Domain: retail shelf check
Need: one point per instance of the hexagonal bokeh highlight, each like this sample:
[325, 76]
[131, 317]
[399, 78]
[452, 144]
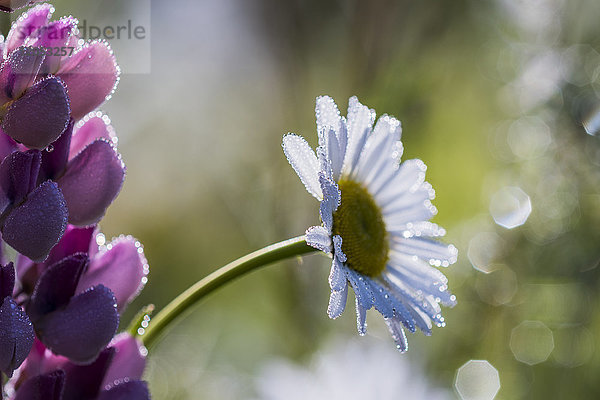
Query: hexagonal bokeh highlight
[498, 287]
[484, 249]
[510, 207]
[531, 342]
[477, 380]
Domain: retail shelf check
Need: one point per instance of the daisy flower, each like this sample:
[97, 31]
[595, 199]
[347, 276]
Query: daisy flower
[375, 215]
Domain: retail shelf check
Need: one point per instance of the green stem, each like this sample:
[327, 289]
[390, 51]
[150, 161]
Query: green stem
[182, 303]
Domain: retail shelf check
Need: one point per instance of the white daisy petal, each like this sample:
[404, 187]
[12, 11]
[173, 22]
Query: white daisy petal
[328, 115]
[404, 313]
[408, 178]
[408, 200]
[421, 321]
[337, 247]
[337, 276]
[342, 137]
[361, 290]
[388, 125]
[395, 328]
[335, 153]
[361, 319]
[337, 302]
[414, 299]
[324, 163]
[360, 123]
[412, 267]
[381, 298]
[418, 212]
[371, 160]
[436, 253]
[420, 228]
[435, 286]
[304, 161]
[330, 202]
[319, 238]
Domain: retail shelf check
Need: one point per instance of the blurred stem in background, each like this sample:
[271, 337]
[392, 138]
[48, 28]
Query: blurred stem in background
[184, 302]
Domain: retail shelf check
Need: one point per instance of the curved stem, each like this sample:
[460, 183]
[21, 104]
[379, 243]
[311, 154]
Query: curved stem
[182, 303]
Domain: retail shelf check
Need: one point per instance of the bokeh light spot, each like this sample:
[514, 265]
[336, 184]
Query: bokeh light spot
[531, 342]
[574, 346]
[510, 207]
[477, 380]
[498, 287]
[484, 249]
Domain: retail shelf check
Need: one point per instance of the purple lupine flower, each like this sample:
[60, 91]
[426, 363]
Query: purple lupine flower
[33, 214]
[90, 178]
[16, 332]
[114, 375]
[41, 91]
[119, 265]
[72, 322]
[77, 293]
[85, 164]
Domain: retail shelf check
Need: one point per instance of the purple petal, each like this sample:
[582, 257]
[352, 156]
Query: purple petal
[123, 269]
[93, 126]
[129, 361]
[26, 24]
[74, 240]
[91, 182]
[55, 157]
[18, 72]
[40, 361]
[83, 328]
[91, 75]
[40, 116]
[54, 34]
[36, 226]
[18, 176]
[126, 390]
[42, 387]
[7, 145]
[16, 336]
[84, 381]
[7, 280]
[56, 286]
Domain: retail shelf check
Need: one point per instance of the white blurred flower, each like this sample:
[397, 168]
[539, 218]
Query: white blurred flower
[348, 370]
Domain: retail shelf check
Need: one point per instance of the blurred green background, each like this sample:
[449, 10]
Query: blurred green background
[491, 94]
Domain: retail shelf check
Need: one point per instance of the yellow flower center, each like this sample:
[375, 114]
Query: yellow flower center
[359, 222]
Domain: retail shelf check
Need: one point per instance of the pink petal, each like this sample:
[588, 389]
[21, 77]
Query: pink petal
[129, 361]
[18, 72]
[93, 126]
[122, 267]
[91, 75]
[56, 34]
[27, 23]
